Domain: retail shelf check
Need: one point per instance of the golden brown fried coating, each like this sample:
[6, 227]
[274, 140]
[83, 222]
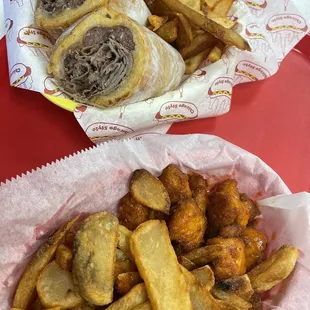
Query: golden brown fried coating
[230, 231]
[274, 269]
[251, 206]
[255, 244]
[132, 213]
[240, 286]
[176, 183]
[185, 262]
[157, 215]
[256, 302]
[232, 262]
[187, 225]
[226, 208]
[199, 188]
[126, 281]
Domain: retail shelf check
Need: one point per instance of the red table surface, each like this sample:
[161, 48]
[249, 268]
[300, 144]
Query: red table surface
[270, 119]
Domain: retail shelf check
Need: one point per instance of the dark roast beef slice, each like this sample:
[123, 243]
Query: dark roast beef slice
[57, 6]
[101, 64]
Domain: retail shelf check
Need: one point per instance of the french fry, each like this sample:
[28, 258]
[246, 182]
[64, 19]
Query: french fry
[124, 235]
[193, 4]
[192, 64]
[169, 31]
[200, 296]
[136, 296]
[228, 36]
[205, 276]
[273, 270]
[185, 262]
[149, 191]
[27, 283]
[126, 281]
[223, 21]
[230, 301]
[200, 43]
[222, 7]
[120, 256]
[185, 33]
[157, 21]
[216, 52]
[56, 289]
[240, 286]
[123, 267]
[204, 255]
[146, 306]
[94, 250]
[64, 257]
[209, 3]
[157, 7]
[159, 267]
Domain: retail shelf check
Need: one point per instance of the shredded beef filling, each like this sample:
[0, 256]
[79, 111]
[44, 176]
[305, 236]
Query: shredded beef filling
[100, 66]
[57, 6]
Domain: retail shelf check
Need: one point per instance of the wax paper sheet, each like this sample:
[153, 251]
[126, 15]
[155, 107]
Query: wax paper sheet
[34, 205]
[272, 27]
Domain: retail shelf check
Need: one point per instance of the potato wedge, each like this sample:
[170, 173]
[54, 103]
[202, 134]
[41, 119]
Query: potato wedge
[240, 286]
[84, 306]
[185, 262]
[192, 64]
[64, 257]
[56, 289]
[169, 31]
[36, 305]
[200, 43]
[228, 36]
[273, 270]
[157, 21]
[209, 3]
[27, 283]
[149, 191]
[205, 276]
[232, 301]
[126, 281]
[120, 256]
[146, 306]
[124, 235]
[185, 33]
[217, 52]
[222, 7]
[136, 296]
[159, 267]
[157, 7]
[200, 296]
[94, 250]
[223, 21]
[205, 255]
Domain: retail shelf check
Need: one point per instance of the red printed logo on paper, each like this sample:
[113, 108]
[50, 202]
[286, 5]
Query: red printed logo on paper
[199, 75]
[284, 22]
[257, 7]
[172, 111]
[50, 88]
[79, 111]
[248, 71]
[20, 76]
[103, 131]
[254, 32]
[221, 87]
[36, 39]
[8, 28]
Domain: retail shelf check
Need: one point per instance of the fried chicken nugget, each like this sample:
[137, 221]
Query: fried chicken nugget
[226, 208]
[199, 188]
[255, 244]
[187, 225]
[232, 262]
[94, 251]
[176, 183]
[132, 213]
[252, 207]
[273, 270]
